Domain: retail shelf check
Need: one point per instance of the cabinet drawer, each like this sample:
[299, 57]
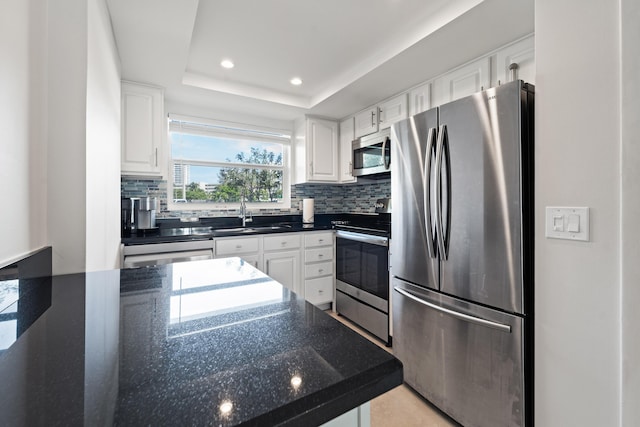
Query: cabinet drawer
[237, 246]
[319, 291]
[318, 269]
[281, 241]
[318, 254]
[318, 239]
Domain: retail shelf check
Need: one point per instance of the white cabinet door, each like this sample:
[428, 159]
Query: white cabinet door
[319, 291]
[142, 130]
[391, 111]
[284, 267]
[319, 238]
[462, 82]
[347, 135]
[255, 260]
[420, 99]
[366, 122]
[521, 53]
[234, 246]
[322, 150]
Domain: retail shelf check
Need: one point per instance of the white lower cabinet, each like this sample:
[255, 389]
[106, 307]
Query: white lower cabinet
[319, 290]
[319, 275]
[357, 417]
[300, 261]
[284, 267]
[282, 259]
[247, 248]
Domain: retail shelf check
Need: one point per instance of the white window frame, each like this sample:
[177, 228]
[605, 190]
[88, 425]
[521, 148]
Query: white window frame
[217, 128]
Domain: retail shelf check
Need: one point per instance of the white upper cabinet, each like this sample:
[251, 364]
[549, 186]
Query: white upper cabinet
[391, 111]
[366, 122]
[463, 81]
[142, 129]
[347, 135]
[420, 99]
[521, 53]
[316, 151]
[381, 116]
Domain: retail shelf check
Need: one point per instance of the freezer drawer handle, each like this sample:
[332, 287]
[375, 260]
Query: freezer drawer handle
[461, 316]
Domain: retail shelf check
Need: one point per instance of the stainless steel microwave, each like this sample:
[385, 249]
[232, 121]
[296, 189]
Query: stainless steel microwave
[372, 154]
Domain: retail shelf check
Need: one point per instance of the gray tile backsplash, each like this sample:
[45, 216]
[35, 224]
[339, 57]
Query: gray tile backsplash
[329, 198]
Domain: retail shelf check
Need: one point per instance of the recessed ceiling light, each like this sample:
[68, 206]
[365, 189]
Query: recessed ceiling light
[296, 81]
[227, 63]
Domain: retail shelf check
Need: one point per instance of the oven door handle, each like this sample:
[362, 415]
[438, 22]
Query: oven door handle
[363, 238]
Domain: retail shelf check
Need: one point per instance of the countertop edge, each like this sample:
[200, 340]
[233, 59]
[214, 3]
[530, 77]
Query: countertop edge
[329, 403]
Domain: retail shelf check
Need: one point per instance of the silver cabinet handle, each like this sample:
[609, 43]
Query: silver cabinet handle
[320, 255]
[373, 113]
[238, 246]
[456, 314]
[380, 119]
[320, 270]
[156, 155]
[283, 243]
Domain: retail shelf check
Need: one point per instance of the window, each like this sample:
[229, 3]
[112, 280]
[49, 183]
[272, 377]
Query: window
[217, 165]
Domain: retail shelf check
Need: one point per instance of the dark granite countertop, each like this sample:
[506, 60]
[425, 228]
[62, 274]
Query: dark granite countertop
[174, 230]
[172, 344]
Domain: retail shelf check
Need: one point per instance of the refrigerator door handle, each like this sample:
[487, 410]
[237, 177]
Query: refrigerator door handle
[442, 131]
[427, 192]
[456, 314]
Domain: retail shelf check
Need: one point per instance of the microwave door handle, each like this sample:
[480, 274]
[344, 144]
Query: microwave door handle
[385, 159]
[427, 192]
[438, 203]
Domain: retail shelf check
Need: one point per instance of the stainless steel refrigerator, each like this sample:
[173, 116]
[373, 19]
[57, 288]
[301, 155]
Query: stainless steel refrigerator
[462, 255]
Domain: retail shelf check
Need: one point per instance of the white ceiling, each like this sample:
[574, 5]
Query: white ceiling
[349, 54]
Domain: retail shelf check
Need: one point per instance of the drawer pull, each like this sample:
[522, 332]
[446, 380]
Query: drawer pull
[320, 255]
[320, 291]
[320, 270]
[320, 240]
[283, 243]
[238, 246]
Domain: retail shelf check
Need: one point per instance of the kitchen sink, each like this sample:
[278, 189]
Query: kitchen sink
[249, 230]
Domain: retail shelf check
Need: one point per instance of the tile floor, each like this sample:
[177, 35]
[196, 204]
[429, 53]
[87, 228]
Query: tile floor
[401, 406]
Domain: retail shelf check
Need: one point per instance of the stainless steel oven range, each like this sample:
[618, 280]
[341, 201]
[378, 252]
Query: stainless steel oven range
[362, 277]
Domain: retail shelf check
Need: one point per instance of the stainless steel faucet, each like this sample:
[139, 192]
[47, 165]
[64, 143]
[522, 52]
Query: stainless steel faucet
[244, 213]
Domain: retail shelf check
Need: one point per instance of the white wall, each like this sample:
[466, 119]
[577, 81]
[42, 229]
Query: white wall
[630, 225]
[67, 58]
[60, 113]
[102, 142]
[23, 146]
[578, 143]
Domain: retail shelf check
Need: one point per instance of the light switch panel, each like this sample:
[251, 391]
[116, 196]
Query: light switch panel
[567, 223]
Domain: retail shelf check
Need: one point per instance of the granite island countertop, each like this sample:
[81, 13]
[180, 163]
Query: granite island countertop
[212, 342]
